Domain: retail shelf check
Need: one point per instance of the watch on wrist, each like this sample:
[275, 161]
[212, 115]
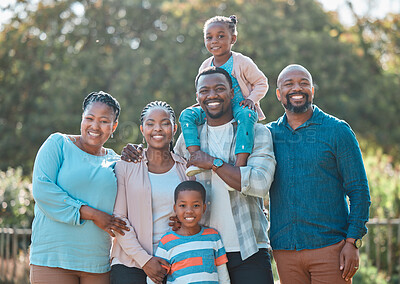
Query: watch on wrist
[357, 243]
[216, 164]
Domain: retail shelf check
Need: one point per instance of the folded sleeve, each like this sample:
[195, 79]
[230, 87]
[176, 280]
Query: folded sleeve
[257, 176]
[50, 198]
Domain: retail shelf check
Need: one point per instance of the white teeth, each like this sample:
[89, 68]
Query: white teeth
[189, 218]
[158, 136]
[94, 134]
[297, 97]
[213, 104]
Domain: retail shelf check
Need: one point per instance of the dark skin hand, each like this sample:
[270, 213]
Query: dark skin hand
[155, 269]
[104, 221]
[248, 103]
[175, 224]
[228, 173]
[349, 260]
[132, 153]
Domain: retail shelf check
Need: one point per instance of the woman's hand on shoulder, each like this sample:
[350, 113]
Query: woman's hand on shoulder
[174, 223]
[109, 223]
[132, 153]
[156, 269]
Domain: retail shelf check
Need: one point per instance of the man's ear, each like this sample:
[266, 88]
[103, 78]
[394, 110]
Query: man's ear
[232, 93]
[312, 92]
[278, 94]
[197, 97]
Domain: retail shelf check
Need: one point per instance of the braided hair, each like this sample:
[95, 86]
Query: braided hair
[162, 105]
[104, 98]
[231, 21]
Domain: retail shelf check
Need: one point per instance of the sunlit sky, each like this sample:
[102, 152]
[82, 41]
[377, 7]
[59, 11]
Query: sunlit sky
[379, 8]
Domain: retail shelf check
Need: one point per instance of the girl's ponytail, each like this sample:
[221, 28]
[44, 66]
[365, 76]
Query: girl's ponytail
[234, 19]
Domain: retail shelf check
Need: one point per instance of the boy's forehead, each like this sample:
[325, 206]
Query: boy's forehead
[186, 194]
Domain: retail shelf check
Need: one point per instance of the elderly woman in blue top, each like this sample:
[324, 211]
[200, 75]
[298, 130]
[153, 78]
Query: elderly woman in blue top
[74, 188]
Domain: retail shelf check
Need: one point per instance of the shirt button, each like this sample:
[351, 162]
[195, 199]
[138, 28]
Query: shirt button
[208, 203]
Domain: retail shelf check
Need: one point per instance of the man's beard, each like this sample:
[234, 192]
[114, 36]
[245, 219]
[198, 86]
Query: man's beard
[297, 109]
[214, 115]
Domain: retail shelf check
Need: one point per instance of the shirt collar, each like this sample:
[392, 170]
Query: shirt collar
[316, 118]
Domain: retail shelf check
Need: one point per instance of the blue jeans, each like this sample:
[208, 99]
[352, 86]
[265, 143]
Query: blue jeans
[246, 118]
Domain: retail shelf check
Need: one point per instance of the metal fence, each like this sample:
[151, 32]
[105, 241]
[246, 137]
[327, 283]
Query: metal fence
[381, 244]
[14, 260]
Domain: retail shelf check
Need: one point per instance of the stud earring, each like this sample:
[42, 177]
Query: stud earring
[112, 135]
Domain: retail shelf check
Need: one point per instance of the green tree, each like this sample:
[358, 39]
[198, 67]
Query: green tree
[54, 54]
[16, 201]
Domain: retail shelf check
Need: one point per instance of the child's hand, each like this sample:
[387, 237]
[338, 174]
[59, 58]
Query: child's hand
[248, 103]
[155, 269]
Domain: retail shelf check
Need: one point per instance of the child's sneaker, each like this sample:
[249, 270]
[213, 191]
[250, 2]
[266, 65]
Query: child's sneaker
[193, 170]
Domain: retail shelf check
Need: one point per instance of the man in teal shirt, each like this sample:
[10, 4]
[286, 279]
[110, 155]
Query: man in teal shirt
[314, 234]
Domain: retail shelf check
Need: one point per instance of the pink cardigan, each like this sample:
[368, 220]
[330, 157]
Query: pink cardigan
[133, 205]
[252, 81]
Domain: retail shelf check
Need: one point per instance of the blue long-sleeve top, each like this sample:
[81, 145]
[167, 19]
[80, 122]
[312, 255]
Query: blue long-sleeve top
[64, 179]
[319, 169]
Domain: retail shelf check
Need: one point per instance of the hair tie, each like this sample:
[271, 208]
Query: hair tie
[233, 19]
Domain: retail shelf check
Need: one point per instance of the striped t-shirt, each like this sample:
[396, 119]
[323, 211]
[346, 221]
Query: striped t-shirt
[193, 258]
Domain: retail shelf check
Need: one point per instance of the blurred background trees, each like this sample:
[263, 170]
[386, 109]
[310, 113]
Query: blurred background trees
[54, 53]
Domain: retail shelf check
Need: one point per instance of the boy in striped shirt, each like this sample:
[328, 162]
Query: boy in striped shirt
[196, 253]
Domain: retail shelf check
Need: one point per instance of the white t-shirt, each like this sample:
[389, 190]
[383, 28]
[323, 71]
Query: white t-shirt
[221, 216]
[162, 197]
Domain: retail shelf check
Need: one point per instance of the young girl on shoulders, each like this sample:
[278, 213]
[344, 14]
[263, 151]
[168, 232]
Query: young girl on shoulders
[249, 83]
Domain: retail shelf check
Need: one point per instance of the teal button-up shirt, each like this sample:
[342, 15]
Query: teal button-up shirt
[319, 166]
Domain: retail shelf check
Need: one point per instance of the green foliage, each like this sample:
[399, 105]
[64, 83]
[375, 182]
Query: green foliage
[368, 274]
[384, 182]
[16, 200]
[53, 55]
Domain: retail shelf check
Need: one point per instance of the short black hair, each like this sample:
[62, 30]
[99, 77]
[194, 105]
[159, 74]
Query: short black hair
[190, 185]
[104, 98]
[214, 70]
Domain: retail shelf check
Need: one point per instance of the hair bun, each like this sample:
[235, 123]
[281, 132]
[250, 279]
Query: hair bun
[233, 19]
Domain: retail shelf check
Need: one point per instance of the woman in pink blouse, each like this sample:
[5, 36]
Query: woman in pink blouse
[145, 199]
